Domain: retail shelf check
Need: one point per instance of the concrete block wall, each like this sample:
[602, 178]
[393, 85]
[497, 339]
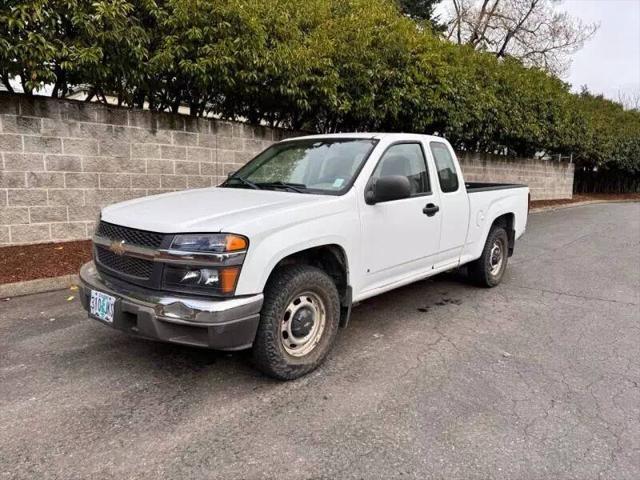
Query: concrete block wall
[547, 179]
[61, 161]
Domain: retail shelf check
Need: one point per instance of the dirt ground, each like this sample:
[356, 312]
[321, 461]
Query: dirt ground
[29, 262]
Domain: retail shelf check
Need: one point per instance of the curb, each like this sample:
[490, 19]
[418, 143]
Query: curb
[552, 208]
[40, 285]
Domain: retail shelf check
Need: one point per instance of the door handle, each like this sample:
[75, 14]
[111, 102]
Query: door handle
[430, 210]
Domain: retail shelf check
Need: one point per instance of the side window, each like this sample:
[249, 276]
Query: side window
[447, 175]
[405, 159]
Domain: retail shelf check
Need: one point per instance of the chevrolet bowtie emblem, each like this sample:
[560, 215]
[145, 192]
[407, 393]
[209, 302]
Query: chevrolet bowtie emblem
[117, 247]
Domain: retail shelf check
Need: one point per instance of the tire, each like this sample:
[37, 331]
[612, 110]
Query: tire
[282, 322]
[483, 271]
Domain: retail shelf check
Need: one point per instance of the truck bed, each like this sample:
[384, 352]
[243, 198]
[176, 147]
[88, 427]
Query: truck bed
[474, 187]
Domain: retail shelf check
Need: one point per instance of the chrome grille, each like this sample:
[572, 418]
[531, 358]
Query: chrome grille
[135, 267]
[130, 235]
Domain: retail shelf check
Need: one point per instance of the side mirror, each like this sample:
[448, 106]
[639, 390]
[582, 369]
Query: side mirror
[385, 189]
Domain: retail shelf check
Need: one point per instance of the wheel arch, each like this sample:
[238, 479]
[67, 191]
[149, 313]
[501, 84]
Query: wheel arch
[330, 258]
[507, 221]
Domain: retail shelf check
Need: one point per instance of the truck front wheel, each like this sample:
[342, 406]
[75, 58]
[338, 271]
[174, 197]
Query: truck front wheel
[298, 322]
[488, 270]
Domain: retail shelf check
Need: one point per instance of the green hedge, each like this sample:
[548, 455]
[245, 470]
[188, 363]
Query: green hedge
[322, 65]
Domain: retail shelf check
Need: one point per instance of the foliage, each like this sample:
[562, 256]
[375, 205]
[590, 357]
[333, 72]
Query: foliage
[319, 65]
[612, 138]
[63, 43]
[608, 151]
[422, 10]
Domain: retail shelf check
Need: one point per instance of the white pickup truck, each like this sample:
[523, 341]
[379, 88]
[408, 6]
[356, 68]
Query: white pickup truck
[274, 258]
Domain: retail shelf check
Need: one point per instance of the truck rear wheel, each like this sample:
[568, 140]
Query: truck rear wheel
[488, 270]
[298, 322]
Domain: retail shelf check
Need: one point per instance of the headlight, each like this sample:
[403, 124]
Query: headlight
[216, 275]
[209, 243]
[214, 280]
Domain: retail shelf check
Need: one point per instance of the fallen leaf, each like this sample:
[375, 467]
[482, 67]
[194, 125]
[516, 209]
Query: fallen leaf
[70, 298]
[73, 287]
[506, 354]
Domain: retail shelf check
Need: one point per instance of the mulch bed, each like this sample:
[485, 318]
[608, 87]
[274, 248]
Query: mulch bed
[29, 262]
[578, 198]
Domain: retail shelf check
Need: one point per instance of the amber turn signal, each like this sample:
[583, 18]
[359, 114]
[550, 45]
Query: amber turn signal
[228, 277]
[236, 242]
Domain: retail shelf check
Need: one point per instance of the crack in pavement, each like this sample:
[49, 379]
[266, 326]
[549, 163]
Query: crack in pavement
[566, 294]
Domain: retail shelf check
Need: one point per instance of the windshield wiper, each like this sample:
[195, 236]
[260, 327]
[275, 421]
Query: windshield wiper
[296, 187]
[244, 181]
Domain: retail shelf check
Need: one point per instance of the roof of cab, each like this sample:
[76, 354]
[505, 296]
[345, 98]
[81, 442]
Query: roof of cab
[372, 135]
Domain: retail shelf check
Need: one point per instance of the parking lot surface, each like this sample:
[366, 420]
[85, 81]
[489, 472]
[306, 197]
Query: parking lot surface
[538, 378]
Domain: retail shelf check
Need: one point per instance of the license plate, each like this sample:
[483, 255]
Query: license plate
[102, 306]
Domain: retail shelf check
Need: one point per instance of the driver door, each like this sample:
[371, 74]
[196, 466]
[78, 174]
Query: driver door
[398, 238]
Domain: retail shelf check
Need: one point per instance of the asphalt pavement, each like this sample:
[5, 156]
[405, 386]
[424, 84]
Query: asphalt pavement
[538, 378]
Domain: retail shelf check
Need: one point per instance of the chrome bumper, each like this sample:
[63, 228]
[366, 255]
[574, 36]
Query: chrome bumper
[220, 324]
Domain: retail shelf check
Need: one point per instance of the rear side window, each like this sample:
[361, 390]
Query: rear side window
[447, 175]
[406, 159]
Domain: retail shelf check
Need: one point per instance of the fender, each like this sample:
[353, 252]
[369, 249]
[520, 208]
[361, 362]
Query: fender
[480, 223]
[273, 248]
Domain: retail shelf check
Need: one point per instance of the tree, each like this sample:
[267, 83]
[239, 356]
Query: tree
[629, 99]
[607, 156]
[533, 31]
[325, 66]
[29, 44]
[63, 43]
[422, 10]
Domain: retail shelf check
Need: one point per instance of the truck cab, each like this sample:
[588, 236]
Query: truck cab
[274, 258]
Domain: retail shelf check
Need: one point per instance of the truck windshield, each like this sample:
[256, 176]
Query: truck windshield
[325, 166]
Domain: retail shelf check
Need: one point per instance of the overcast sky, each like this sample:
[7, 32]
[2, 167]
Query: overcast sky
[610, 61]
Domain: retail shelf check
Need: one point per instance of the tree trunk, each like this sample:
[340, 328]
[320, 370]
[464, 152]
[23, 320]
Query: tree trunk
[6, 82]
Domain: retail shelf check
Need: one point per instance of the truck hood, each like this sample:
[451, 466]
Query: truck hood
[212, 209]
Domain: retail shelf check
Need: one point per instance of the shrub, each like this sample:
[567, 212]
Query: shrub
[319, 65]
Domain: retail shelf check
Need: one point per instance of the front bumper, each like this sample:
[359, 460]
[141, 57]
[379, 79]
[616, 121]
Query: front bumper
[219, 324]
